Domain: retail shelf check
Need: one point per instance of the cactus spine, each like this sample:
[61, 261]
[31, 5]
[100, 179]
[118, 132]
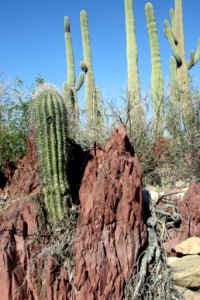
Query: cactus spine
[93, 104]
[70, 88]
[175, 36]
[137, 118]
[50, 121]
[157, 81]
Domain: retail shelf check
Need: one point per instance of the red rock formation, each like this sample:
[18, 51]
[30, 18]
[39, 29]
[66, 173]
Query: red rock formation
[111, 231]
[189, 209]
[23, 179]
[110, 236]
[21, 275]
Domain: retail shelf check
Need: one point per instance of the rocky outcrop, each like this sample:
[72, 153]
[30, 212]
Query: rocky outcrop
[111, 231]
[24, 274]
[186, 270]
[189, 209]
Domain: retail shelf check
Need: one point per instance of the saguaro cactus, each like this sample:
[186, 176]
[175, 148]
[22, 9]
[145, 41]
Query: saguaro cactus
[93, 108]
[50, 122]
[137, 117]
[173, 117]
[70, 88]
[157, 81]
[175, 36]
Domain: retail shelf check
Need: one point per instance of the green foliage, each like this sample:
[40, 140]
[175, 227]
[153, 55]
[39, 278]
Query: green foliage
[50, 121]
[157, 81]
[14, 119]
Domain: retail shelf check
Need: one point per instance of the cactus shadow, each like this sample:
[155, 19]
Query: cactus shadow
[77, 162]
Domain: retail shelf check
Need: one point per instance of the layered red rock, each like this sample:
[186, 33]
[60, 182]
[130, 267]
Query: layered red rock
[111, 231]
[24, 274]
[189, 209]
[110, 236]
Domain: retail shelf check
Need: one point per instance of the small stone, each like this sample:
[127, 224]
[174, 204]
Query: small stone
[189, 246]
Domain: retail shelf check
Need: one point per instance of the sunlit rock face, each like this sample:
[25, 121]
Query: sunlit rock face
[111, 232]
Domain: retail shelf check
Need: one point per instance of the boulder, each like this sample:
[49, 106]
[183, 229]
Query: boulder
[111, 231]
[189, 246]
[186, 270]
[188, 294]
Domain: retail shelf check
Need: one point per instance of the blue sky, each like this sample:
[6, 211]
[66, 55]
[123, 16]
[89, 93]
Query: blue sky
[32, 39]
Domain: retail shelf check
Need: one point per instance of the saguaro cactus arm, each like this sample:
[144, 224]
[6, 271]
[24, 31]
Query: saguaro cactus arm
[197, 55]
[70, 87]
[85, 39]
[172, 17]
[80, 82]
[69, 53]
[190, 63]
[92, 100]
[173, 42]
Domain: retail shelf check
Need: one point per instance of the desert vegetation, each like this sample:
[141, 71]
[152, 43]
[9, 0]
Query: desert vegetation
[167, 144]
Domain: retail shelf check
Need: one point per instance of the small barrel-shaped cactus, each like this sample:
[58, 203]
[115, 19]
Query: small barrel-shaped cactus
[50, 122]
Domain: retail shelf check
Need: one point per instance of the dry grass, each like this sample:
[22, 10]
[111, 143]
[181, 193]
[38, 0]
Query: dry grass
[60, 246]
[153, 280]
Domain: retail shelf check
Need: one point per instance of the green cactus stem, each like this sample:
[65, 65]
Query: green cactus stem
[136, 111]
[173, 117]
[93, 104]
[50, 122]
[70, 88]
[175, 36]
[157, 81]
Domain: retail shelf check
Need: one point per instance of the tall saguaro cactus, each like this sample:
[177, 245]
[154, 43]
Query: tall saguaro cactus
[50, 122]
[70, 88]
[157, 81]
[173, 117]
[93, 104]
[137, 118]
[175, 36]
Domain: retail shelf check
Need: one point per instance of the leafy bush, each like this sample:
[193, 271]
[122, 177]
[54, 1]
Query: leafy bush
[14, 119]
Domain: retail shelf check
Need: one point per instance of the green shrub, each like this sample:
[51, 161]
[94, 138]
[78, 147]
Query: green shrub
[14, 119]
